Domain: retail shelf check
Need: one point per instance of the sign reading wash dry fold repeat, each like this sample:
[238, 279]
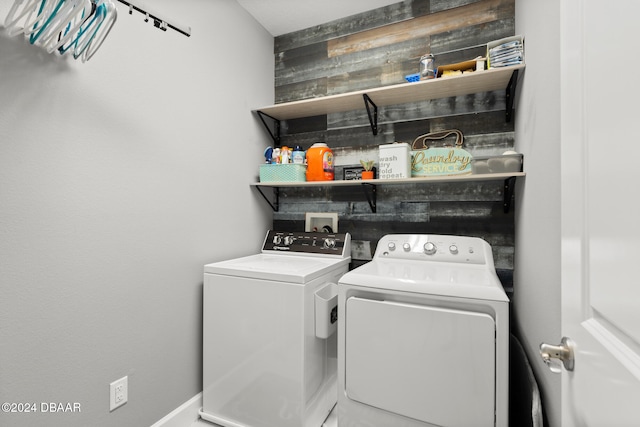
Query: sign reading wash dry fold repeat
[451, 159]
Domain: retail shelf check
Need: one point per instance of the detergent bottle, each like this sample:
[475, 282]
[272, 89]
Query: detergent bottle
[320, 165]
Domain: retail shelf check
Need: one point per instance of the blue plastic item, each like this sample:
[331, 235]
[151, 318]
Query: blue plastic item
[412, 77]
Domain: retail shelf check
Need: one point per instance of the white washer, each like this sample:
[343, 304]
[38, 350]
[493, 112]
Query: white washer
[269, 342]
[424, 336]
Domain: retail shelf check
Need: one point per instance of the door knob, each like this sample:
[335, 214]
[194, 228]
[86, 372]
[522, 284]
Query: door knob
[562, 352]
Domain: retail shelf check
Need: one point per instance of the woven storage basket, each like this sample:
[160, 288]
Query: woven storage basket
[291, 172]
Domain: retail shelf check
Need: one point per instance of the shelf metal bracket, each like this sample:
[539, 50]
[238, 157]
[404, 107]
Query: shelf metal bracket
[370, 193]
[373, 118]
[511, 95]
[276, 193]
[275, 134]
[509, 187]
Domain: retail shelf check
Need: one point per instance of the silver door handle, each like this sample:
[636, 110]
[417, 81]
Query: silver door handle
[563, 352]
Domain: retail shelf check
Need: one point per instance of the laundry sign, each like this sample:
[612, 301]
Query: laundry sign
[447, 160]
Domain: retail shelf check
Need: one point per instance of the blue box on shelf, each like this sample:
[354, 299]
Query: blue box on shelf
[412, 77]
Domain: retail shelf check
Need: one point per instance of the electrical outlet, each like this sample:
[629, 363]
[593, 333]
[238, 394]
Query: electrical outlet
[118, 393]
[321, 222]
[361, 250]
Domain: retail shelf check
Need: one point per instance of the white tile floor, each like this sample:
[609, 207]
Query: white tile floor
[332, 421]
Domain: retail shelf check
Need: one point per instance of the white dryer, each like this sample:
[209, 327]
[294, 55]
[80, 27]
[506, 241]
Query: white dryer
[269, 341]
[423, 336]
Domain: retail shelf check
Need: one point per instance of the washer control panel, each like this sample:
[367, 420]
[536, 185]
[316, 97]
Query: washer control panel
[431, 247]
[308, 243]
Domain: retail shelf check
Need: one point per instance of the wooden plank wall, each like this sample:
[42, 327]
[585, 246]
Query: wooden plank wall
[379, 48]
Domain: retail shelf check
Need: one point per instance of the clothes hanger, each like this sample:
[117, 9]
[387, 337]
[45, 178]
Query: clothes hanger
[66, 12]
[89, 31]
[102, 33]
[80, 26]
[72, 34]
[12, 12]
[49, 10]
[30, 6]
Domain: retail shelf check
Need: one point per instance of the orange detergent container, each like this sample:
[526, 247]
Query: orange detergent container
[320, 165]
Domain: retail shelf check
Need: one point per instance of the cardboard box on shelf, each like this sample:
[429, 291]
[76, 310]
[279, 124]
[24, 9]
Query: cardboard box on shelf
[458, 68]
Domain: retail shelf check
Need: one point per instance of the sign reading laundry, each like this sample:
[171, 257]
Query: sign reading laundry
[440, 161]
[427, 161]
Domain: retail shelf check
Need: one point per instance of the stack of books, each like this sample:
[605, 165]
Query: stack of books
[508, 53]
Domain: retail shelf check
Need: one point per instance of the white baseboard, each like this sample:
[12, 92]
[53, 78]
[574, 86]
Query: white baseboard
[184, 415]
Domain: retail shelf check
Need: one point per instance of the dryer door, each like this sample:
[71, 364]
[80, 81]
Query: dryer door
[431, 364]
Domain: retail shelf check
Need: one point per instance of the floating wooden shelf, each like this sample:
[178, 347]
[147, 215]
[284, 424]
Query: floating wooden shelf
[465, 84]
[417, 180]
[371, 184]
[484, 81]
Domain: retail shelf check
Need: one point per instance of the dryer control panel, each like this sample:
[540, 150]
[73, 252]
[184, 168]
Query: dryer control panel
[431, 247]
[303, 242]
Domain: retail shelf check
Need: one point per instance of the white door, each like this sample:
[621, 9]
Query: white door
[600, 220]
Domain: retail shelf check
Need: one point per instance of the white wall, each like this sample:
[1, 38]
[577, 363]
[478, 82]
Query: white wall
[119, 179]
[537, 261]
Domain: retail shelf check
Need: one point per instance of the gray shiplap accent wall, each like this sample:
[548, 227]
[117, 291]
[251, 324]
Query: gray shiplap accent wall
[378, 48]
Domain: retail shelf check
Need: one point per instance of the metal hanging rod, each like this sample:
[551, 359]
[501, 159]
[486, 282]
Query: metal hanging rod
[158, 21]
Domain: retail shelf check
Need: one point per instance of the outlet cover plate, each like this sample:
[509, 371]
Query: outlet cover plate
[361, 250]
[118, 393]
[316, 221]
